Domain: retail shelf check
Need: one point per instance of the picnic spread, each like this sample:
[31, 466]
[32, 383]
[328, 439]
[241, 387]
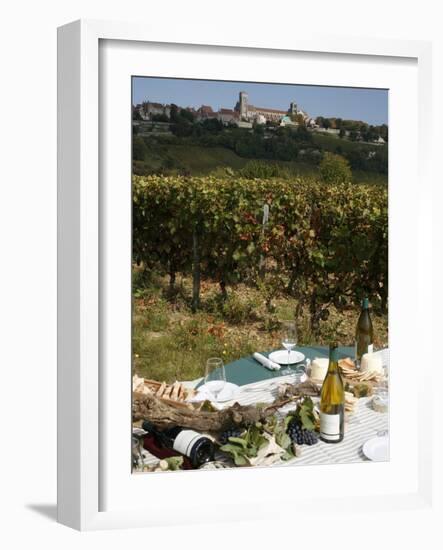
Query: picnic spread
[261, 414]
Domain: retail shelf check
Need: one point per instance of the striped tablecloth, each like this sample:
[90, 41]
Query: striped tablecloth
[361, 426]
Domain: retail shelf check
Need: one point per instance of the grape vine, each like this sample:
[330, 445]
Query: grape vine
[324, 244]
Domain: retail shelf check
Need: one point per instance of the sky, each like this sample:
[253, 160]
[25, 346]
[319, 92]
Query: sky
[369, 105]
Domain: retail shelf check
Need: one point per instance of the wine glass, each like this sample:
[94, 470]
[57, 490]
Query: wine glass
[289, 341]
[215, 374]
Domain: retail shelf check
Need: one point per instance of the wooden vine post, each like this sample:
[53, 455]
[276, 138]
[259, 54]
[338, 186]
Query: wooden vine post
[261, 268]
[195, 270]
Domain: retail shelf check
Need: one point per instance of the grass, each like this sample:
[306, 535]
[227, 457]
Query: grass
[170, 343]
[203, 160]
[200, 161]
[332, 142]
[369, 177]
[194, 159]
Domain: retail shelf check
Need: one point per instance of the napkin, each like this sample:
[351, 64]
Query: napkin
[204, 393]
[266, 362]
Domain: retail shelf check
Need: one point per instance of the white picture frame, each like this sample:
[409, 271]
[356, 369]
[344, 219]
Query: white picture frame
[84, 207]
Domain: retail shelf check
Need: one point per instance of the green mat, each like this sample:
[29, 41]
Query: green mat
[247, 370]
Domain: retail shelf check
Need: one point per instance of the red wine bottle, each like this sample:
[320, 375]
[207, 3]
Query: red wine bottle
[197, 447]
[364, 333]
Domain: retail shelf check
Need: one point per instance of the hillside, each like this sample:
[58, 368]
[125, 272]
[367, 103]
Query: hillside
[199, 161]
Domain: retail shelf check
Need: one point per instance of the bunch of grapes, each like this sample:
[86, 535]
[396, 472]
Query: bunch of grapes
[300, 435]
[230, 432]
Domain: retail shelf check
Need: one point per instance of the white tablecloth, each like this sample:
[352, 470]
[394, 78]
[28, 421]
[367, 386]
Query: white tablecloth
[361, 426]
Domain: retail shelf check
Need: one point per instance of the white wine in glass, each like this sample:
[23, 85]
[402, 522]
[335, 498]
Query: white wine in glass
[215, 373]
[289, 341]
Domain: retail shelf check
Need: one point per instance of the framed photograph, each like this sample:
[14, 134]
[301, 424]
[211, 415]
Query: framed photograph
[242, 230]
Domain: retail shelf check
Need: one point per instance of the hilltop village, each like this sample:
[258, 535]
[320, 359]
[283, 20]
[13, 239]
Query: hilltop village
[245, 115]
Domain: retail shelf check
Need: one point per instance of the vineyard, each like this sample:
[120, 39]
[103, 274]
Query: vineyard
[319, 247]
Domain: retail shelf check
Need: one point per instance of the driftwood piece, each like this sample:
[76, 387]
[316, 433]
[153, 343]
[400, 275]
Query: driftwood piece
[307, 388]
[163, 415]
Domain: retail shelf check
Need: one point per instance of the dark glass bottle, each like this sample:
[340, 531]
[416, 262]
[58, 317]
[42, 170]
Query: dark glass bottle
[364, 333]
[197, 447]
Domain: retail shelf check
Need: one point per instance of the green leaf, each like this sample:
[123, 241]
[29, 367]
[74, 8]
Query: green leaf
[308, 403]
[208, 406]
[230, 449]
[240, 460]
[283, 439]
[252, 450]
[306, 420]
[288, 418]
[174, 462]
[289, 453]
[238, 440]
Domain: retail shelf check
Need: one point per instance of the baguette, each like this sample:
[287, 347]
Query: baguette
[175, 394]
[181, 393]
[347, 363]
[161, 390]
[175, 391]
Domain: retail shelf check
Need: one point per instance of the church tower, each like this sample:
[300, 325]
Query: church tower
[243, 104]
[293, 108]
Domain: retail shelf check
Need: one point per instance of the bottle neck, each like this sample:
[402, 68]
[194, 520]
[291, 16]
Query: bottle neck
[333, 360]
[365, 303]
[163, 437]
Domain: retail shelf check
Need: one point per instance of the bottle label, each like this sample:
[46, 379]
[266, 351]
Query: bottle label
[185, 440]
[330, 426]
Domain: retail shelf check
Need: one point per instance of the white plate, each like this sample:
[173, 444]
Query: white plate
[377, 449]
[206, 391]
[281, 357]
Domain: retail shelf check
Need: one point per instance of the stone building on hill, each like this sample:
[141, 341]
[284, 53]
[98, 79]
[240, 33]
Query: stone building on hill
[244, 114]
[248, 112]
[204, 112]
[251, 113]
[228, 116]
[148, 109]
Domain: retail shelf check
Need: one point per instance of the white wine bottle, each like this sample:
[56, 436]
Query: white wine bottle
[364, 333]
[332, 401]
